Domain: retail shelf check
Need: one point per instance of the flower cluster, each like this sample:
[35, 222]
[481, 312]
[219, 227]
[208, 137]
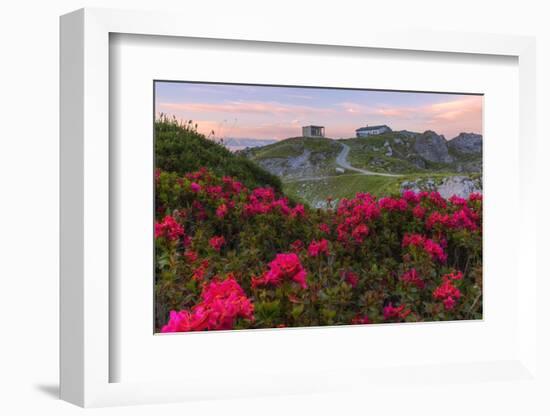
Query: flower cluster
[411, 277]
[168, 228]
[222, 303]
[263, 201]
[410, 257]
[434, 249]
[217, 242]
[447, 292]
[392, 312]
[318, 247]
[285, 266]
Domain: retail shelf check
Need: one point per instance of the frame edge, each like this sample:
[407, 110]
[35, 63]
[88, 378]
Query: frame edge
[71, 202]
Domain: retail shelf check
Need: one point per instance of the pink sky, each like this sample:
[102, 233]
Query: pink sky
[263, 112]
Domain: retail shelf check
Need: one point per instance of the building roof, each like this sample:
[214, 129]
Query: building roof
[369, 128]
[318, 127]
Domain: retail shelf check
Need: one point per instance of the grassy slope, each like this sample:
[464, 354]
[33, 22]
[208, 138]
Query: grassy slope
[367, 153]
[344, 186]
[370, 153]
[323, 152]
[180, 148]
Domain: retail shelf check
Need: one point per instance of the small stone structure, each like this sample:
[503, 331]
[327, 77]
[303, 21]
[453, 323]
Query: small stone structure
[313, 131]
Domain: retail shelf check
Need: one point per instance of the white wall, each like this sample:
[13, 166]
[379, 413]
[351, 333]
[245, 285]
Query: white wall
[29, 174]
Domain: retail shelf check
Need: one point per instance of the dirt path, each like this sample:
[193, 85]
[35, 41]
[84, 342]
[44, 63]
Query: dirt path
[342, 161]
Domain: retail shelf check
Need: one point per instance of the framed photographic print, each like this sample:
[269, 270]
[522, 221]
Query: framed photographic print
[235, 224]
[264, 220]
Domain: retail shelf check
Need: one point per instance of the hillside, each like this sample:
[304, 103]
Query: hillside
[313, 169]
[181, 149]
[297, 157]
[407, 152]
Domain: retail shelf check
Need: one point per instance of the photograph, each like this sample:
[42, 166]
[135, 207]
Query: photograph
[302, 206]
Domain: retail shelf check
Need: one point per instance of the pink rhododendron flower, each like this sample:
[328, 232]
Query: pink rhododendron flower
[297, 246]
[435, 250]
[411, 196]
[191, 256]
[168, 228]
[392, 204]
[284, 266]
[391, 311]
[436, 218]
[419, 212]
[437, 199]
[221, 211]
[217, 242]
[449, 303]
[456, 200]
[298, 211]
[475, 197]
[324, 228]
[457, 275]
[351, 278]
[360, 232]
[199, 272]
[222, 303]
[195, 187]
[412, 277]
[318, 247]
[447, 291]
[431, 247]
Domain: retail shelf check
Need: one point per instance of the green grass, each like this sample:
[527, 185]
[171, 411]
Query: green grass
[344, 186]
[347, 186]
[294, 147]
[181, 149]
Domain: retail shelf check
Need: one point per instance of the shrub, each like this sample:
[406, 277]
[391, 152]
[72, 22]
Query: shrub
[180, 148]
[231, 256]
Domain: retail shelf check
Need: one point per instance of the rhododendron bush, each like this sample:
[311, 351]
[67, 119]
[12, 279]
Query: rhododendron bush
[229, 257]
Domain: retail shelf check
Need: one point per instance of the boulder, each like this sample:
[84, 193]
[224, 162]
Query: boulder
[470, 143]
[433, 147]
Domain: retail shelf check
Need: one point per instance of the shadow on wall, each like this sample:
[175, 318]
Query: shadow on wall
[51, 390]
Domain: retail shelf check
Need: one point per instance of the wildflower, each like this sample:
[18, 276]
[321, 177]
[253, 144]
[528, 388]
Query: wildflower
[168, 228]
[392, 204]
[284, 266]
[222, 303]
[391, 311]
[324, 228]
[475, 197]
[447, 291]
[431, 247]
[221, 211]
[191, 256]
[412, 277]
[419, 212]
[360, 232]
[195, 187]
[297, 246]
[217, 242]
[199, 272]
[411, 196]
[351, 278]
[458, 201]
[318, 247]
[298, 211]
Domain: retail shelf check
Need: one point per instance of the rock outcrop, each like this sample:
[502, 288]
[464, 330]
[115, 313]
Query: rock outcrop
[461, 186]
[432, 147]
[469, 143]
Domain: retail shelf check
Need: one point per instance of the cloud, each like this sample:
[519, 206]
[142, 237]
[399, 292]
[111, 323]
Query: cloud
[275, 120]
[241, 107]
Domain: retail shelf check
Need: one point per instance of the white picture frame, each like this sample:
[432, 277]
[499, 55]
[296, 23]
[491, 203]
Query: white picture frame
[85, 210]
